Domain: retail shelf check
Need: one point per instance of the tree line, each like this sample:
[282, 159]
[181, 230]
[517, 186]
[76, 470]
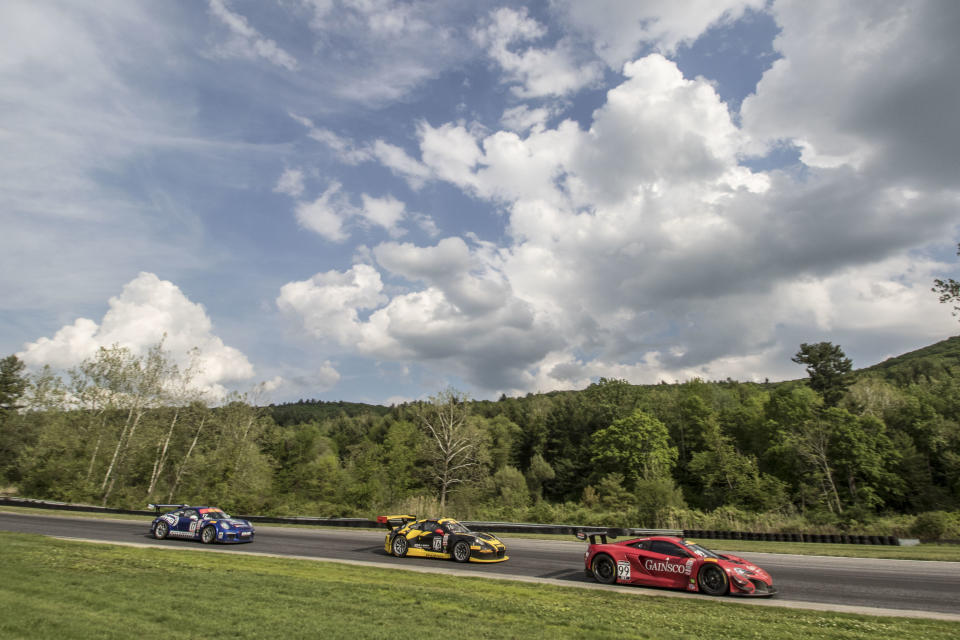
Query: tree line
[837, 449]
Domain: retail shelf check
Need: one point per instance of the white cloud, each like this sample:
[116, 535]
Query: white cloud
[245, 41]
[147, 311]
[330, 303]
[384, 212]
[345, 149]
[290, 183]
[326, 214]
[618, 29]
[535, 72]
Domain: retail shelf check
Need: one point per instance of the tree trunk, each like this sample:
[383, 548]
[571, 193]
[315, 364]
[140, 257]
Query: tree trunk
[176, 481]
[161, 458]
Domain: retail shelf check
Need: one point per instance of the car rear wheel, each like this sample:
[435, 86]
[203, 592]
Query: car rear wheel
[604, 569]
[161, 530]
[461, 551]
[399, 546]
[713, 580]
[208, 535]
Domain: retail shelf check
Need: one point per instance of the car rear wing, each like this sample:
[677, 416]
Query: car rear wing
[165, 507]
[599, 536]
[391, 522]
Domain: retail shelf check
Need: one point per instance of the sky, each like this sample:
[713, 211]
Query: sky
[375, 200]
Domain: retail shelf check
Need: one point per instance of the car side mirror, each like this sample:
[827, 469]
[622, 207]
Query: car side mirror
[438, 531]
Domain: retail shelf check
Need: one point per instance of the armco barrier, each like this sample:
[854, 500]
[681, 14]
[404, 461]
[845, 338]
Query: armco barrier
[500, 527]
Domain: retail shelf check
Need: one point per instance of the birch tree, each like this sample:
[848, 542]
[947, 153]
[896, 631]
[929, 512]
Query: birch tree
[453, 441]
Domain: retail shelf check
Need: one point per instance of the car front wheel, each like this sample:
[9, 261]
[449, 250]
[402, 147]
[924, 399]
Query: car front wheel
[461, 551]
[713, 580]
[208, 535]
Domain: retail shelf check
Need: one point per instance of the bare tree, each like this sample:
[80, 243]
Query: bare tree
[454, 442]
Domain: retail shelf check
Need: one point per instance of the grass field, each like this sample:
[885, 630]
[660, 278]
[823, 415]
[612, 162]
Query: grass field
[61, 589]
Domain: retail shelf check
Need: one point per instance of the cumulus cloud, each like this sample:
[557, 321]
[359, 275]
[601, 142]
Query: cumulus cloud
[333, 211]
[642, 246]
[871, 85]
[383, 212]
[326, 214]
[147, 311]
[534, 72]
[245, 41]
[619, 29]
[464, 318]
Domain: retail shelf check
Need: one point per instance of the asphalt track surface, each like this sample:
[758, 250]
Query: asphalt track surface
[905, 585]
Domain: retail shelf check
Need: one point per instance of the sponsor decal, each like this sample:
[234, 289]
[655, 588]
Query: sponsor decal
[623, 570]
[667, 567]
[446, 539]
[689, 566]
[170, 519]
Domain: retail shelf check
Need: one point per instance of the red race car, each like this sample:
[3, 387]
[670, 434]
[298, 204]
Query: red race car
[667, 561]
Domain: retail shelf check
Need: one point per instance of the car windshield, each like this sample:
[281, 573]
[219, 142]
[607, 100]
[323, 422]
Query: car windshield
[215, 514]
[703, 552]
[455, 527]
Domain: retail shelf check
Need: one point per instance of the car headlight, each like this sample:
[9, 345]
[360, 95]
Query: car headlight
[743, 572]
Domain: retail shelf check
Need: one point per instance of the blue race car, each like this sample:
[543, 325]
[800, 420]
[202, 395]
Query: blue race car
[206, 524]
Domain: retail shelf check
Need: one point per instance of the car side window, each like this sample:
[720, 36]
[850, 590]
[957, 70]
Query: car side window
[430, 526]
[667, 548]
[190, 513]
[643, 545]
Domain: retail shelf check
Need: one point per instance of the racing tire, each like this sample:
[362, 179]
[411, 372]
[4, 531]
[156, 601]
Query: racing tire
[161, 530]
[461, 552]
[399, 546]
[604, 569]
[713, 580]
[208, 535]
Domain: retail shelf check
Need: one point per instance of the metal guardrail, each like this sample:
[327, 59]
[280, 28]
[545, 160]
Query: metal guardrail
[504, 527]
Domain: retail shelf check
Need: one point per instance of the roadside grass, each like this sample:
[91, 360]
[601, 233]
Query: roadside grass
[926, 551]
[57, 588]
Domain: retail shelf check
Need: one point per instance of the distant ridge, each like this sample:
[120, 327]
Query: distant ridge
[937, 361]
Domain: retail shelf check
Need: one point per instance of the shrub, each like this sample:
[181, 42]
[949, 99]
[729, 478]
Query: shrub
[931, 525]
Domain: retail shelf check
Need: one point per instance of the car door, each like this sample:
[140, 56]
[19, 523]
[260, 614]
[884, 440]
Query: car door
[431, 537]
[187, 524]
[667, 564]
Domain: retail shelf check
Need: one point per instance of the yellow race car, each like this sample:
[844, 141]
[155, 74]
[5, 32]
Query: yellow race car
[440, 538]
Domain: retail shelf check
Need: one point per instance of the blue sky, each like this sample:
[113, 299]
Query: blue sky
[372, 200]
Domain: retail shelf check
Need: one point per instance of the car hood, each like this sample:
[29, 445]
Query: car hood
[731, 562]
[489, 538]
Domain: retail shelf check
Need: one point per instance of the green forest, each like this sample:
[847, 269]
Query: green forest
[873, 450]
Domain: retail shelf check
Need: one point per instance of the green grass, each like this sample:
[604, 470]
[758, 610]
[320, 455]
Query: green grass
[56, 589]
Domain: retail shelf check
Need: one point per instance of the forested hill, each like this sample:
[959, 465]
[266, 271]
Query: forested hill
[940, 360]
[306, 411]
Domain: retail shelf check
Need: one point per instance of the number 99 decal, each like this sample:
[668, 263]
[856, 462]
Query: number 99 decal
[623, 570]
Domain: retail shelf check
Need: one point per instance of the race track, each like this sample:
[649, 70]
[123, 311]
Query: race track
[889, 584]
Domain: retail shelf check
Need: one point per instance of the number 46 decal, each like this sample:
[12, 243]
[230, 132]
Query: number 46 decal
[623, 570]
